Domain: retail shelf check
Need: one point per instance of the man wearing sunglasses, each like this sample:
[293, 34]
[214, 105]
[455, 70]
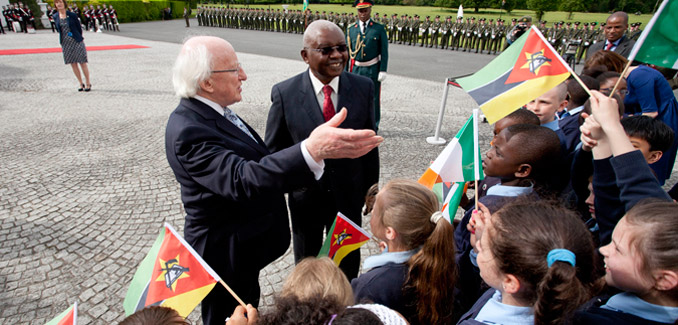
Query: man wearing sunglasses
[232, 187]
[368, 49]
[299, 105]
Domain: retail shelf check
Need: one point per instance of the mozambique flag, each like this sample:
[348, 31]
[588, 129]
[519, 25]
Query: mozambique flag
[344, 237]
[68, 317]
[658, 44]
[171, 275]
[524, 71]
[452, 199]
[456, 162]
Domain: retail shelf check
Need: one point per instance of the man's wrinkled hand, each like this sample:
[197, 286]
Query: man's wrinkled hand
[328, 141]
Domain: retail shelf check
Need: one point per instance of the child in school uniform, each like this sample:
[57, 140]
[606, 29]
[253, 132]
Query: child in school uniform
[538, 259]
[522, 156]
[416, 272]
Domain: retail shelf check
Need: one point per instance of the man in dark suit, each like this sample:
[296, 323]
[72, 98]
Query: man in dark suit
[231, 186]
[299, 105]
[615, 27]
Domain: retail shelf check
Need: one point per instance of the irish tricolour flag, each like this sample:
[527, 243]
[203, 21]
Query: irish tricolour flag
[524, 71]
[456, 162]
[344, 237]
[658, 44]
[171, 275]
[68, 317]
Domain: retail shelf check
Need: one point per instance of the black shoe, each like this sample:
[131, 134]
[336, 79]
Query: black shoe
[89, 87]
[82, 87]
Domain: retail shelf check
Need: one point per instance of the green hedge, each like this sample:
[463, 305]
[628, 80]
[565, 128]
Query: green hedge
[131, 11]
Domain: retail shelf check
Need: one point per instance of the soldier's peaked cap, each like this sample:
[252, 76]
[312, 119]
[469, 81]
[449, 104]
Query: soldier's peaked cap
[359, 4]
[525, 19]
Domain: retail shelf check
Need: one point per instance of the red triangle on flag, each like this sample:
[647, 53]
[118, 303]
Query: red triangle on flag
[535, 60]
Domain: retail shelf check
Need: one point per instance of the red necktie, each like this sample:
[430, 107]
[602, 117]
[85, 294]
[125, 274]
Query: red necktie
[328, 107]
[609, 46]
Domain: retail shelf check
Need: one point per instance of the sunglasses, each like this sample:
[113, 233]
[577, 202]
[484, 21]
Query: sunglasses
[328, 50]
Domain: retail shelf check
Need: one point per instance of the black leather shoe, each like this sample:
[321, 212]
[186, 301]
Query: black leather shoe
[82, 87]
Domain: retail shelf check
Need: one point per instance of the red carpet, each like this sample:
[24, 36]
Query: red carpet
[58, 49]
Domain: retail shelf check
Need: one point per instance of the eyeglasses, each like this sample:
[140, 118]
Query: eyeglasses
[237, 69]
[328, 50]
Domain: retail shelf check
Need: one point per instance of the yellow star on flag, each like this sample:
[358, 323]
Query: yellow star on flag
[168, 267]
[535, 61]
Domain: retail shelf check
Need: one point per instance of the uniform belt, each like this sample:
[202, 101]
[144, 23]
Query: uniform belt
[368, 63]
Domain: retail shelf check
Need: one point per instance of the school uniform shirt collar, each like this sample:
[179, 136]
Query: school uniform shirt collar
[388, 257]
[495, 312]
[553, 125]
[575, 110]
[510, 191]
[629, 303]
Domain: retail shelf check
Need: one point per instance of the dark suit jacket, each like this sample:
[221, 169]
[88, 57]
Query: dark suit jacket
[232, 189]
[623, 49]
[295, 113]
[73, 25]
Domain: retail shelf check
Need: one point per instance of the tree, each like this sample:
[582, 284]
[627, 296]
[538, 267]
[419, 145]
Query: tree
[540, 7]
[571, 6]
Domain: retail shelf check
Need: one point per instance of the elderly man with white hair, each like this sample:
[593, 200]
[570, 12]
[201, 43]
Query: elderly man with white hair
[299, 105]
[231, 185]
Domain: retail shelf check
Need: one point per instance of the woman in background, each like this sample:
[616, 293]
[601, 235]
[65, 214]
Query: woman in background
[71, 40]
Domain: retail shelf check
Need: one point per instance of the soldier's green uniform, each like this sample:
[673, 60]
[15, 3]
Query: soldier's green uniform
[368, 52]
[471, 33]
[403, 26]
[434, 31]
[457, 31]
[415, 32]
[424, 31]
[446, 32]
[483, 35]
[393, 28]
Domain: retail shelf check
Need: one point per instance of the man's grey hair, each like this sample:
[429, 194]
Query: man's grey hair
[315, 28]
[193, 65]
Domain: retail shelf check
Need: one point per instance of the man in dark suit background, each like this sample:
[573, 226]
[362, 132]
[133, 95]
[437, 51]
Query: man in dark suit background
[231, 186]
[615, 40]
[299, 105]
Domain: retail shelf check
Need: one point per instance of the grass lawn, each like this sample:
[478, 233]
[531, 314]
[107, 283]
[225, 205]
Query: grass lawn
[443, 12]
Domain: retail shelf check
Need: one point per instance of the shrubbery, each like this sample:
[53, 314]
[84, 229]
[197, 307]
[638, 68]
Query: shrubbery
[131, 11]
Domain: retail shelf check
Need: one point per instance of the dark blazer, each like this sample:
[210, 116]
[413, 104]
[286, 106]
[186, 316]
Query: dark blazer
[294, 114]
[73, 24]
[623, 49]
[232, 190]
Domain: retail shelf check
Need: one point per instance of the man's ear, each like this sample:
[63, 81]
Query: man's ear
[206, 85]
[665, 280]
[304, 55]
[654, 156]
[523, 171]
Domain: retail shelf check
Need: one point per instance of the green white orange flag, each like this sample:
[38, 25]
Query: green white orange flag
[452, 199]
[456, 162]
[68, 317]
[305, 5]
[344, 237]
[524, 71]
[658, 43]
[171, 275]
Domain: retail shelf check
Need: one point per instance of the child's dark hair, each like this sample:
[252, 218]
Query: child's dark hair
[578, 94]
[289, 310]
[523, 116]
[523, 233]
[408, 208]
[356, 316]
[540, 148]
[655, 132]
[655, 233]
[605, 75]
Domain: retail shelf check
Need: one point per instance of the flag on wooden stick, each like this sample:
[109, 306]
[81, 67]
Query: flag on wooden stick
[524, 71]
[171, 275]
[68, 317]
[658, 43]
[344, 237]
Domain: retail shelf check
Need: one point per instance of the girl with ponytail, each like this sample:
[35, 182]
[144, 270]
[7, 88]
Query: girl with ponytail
[416, 272]
[538, 259]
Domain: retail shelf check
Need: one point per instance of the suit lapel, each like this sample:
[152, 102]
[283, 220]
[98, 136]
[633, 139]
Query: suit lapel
[224, 125]
[308, 100]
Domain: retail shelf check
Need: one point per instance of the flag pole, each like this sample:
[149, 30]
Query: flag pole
[233, 293]
[616, 84]
[476, 153]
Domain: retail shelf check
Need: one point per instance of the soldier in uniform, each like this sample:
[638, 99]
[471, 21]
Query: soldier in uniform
[393, 28]
[470, 34]
[457, 33]
[446, 32]
[415, 33]
[635, 31]
[424, 31]
[403, 25]
[520, 27]
[483, 35]
[368, 50]
[434, 31]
